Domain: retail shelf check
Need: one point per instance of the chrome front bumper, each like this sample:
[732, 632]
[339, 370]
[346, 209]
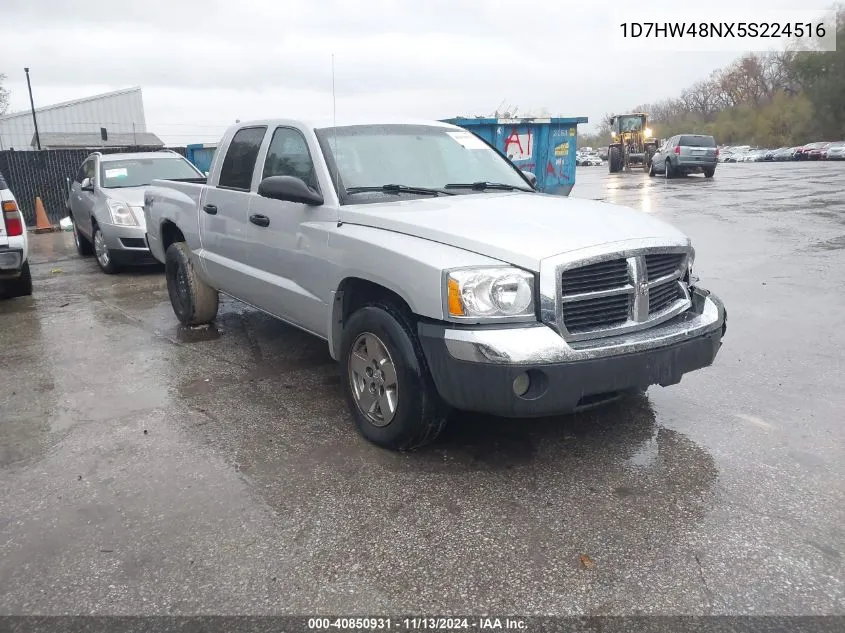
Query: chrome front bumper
[476, 369]
[539, 344]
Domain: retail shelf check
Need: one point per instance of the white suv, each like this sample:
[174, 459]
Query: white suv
[15, 279]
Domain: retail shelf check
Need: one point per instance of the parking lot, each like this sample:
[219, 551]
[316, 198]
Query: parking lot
[149, 469]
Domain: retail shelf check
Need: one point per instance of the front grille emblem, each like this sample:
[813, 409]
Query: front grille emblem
[642, 288]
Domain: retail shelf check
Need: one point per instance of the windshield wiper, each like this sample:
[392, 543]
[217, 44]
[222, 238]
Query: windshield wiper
[400, 189]
[482, 185]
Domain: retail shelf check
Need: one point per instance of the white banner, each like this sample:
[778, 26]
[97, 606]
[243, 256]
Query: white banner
[639, 27]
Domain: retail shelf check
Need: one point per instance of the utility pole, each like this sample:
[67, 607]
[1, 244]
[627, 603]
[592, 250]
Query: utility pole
[32, 105]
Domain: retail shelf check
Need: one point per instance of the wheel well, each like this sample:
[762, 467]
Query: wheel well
[170, 233]
[358, 292]
[354, 293]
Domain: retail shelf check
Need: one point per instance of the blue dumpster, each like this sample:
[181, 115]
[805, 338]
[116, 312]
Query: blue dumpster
[200, 154]
[544, 146]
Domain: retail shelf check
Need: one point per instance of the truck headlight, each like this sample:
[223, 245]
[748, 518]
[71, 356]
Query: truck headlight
[121, 213]
[490, 293]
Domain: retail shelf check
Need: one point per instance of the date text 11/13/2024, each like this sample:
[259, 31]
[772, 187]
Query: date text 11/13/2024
[416, 624]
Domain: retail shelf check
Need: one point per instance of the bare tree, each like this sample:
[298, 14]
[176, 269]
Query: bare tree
[4, 96]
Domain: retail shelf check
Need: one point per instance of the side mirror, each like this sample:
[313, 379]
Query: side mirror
[532, 178]
[87, 184]
[290, 189]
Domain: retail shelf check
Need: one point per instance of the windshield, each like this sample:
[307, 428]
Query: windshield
[630, 123]
[414, 156]
[137, 172]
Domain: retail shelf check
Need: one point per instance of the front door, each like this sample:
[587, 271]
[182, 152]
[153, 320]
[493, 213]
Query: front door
[287, 243]
[82, 202]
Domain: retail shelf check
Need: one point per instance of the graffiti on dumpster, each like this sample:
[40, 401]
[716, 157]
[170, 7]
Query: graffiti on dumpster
[519, 146]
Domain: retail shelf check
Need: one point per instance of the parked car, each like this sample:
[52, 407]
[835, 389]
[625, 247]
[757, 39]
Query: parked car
[770, 154]
[785, 153]
[436, 273]
[591, 160]
[105, 201]
[754, 156]
[819, 152]
[836, 151]
[15, 276]
[685, 154]
[803, 152]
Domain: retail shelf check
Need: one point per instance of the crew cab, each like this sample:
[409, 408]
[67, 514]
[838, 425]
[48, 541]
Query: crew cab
[435, 272]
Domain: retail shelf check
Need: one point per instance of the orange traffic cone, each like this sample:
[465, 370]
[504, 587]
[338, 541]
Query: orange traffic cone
[42, 224]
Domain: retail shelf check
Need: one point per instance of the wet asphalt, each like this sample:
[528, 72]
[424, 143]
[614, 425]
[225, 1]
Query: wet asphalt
[146, 469]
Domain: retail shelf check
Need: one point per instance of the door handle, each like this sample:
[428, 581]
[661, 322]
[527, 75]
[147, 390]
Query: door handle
[210, 209]
[259, 220]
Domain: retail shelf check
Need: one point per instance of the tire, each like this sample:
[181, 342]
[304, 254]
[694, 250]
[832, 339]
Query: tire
[651, 169]
[383, 335]
[22, 286]
[668, 172]
[82, 243]
[103, 254]
[194, 301]
[708, 173]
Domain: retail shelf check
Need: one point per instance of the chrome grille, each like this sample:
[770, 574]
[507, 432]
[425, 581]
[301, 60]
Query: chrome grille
[662, 264]
[594, 277]
[589, 314]
[662, 296]
[612, 294]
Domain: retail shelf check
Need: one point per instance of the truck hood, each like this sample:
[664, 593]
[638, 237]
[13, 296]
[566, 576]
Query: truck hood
[514, 227]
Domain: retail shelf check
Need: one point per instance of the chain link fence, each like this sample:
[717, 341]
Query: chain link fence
[44, 173]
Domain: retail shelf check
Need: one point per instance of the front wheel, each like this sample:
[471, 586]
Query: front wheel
[651, 169]
[103, 254]
[194, 301]
[389, 390]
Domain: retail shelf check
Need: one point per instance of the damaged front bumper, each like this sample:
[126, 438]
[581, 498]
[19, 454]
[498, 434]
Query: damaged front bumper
[481, 369]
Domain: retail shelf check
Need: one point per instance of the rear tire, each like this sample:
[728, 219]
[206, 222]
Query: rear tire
[82, 243]
[22, 286]
[708, 173]
[668, 173]
[382, 335]
[194, 301]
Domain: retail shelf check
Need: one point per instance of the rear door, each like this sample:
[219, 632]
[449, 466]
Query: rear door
[696, 148]
[224, 213]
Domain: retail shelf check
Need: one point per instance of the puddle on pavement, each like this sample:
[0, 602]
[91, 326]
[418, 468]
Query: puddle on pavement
[185, 334]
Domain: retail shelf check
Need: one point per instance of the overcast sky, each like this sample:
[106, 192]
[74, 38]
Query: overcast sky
[204, 63]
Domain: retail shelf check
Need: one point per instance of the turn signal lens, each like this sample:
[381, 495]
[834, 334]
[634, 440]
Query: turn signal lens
[456, 306]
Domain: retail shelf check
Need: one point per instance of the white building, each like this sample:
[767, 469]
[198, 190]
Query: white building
[79, 123]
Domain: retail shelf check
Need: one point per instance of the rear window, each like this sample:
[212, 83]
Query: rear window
[697, 141]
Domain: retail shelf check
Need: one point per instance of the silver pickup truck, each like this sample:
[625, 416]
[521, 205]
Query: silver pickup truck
[435, 272]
